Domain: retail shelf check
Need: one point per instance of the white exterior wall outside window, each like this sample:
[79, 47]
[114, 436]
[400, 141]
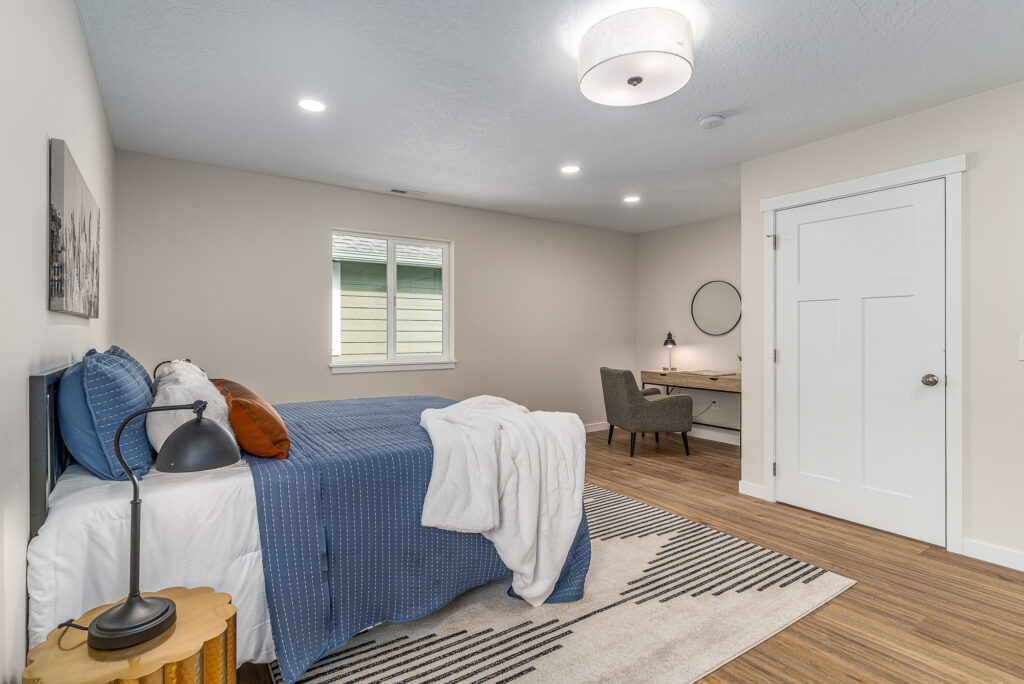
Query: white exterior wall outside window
[391, 303]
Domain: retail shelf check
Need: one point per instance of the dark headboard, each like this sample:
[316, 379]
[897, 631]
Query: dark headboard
[47, 456]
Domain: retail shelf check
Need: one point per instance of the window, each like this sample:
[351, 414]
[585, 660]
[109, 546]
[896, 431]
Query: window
[391, 303]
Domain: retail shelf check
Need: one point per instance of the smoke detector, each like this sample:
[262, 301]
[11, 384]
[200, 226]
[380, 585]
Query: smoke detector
[711, 121]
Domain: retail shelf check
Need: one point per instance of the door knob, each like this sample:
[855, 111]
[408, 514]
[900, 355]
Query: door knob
[931, 380]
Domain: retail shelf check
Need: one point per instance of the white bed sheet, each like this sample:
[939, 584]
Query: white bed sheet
[198, 529]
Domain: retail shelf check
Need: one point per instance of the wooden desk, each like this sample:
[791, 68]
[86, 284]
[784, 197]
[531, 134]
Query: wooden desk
[198, 649]
[714, 383]
[718, 383]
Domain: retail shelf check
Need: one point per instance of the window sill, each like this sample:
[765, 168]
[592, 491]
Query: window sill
[381, 366]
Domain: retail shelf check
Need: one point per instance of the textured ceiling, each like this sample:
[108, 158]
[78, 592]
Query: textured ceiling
[475, 101]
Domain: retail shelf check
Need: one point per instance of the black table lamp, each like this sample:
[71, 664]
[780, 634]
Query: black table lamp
[196, 445]
[669, 342]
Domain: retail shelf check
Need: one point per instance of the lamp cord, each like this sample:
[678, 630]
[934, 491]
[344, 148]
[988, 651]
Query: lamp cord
[72, 623]
[65, 625]
[697, 415]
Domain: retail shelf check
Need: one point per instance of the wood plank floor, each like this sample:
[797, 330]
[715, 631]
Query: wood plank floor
[916, 614]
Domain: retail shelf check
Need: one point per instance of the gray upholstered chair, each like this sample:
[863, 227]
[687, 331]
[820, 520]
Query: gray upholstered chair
[649, 410]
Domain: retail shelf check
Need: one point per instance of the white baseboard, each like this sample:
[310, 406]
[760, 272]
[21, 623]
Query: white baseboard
[709, 433]
[758, 491]
[992, 553]
[715, 434]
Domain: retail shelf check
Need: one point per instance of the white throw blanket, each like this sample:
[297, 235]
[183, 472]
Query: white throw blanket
[514, 476]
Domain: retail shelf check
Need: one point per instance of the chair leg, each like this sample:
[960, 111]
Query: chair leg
[656, 438]
[643, 435]
[611, 429]
[686, 444]
[632, 443]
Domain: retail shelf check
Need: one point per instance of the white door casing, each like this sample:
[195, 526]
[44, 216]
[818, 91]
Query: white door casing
[860, 322]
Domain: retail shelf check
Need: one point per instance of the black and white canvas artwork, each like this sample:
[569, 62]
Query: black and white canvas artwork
[74, 237]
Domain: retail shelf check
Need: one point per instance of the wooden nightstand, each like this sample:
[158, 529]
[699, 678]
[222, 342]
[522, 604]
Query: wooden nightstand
[198, 649]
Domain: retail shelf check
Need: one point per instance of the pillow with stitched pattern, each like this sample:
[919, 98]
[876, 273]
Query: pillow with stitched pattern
[94, 397]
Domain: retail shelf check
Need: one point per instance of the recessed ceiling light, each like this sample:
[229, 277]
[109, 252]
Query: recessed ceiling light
[571, 168]
[312, 105]
[631, 199]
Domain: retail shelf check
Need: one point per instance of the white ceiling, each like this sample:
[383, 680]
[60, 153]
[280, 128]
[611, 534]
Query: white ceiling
[475, 101]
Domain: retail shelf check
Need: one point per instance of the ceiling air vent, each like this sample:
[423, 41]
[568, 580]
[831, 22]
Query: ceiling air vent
[414, 194]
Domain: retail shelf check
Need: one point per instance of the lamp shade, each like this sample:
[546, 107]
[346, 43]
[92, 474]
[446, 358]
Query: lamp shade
[635, 57]
[196, 445]
[669, 341]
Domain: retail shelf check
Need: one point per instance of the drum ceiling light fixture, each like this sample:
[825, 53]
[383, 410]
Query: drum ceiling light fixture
[635, 57]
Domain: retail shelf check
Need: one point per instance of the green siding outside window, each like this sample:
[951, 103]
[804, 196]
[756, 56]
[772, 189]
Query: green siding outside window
[364, 311]
[418, 311]
[364, 266]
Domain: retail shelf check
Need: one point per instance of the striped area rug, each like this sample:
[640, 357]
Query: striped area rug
[667, 600]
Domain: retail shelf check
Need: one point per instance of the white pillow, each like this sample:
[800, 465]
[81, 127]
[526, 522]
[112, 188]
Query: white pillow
[181, 382]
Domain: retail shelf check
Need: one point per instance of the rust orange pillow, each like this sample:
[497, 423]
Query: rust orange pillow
[258, 427]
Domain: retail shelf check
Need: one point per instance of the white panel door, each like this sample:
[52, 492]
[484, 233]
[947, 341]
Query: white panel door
[860, 327]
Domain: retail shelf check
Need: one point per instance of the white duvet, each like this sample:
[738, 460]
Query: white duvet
[514, 476]
[198, 529]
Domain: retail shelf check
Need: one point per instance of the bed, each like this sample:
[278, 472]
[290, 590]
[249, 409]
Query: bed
[313, 549]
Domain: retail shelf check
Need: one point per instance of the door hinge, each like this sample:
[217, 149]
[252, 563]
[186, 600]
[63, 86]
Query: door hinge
[775, 469]
[775, 241]
[775, 355]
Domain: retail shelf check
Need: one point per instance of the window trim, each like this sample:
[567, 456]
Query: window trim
[444, 361]
[383, 366]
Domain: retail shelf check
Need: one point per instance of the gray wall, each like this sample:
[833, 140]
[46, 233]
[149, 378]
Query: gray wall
[987, 127]
[671, 265]
[49, 91]
[233, 270]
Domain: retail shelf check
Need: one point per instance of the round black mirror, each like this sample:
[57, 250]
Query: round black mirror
[716, 308]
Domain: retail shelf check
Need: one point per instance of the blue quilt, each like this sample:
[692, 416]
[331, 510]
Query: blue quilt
[343, 548]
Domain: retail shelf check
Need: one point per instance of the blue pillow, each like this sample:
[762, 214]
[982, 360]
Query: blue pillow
[136, 367]
[95, 396]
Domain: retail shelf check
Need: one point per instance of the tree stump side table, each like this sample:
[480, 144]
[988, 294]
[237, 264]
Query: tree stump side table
[198, 649]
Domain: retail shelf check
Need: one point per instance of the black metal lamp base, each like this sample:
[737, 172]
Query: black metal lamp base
[136, 620]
